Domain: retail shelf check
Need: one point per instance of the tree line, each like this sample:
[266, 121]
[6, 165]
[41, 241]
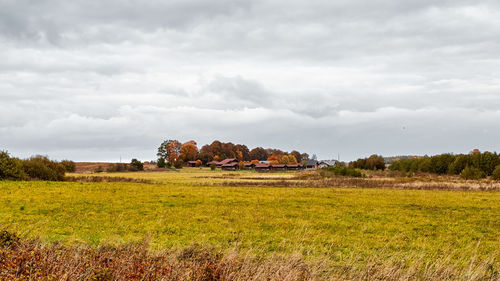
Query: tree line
[473, 165]
[174, 153]
[33, 168]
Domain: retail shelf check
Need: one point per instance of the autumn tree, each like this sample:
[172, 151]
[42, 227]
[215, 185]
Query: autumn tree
[288, 159]
[274, 159]
[258, 153]
[297, 155]
[169, 151]
[189, 151]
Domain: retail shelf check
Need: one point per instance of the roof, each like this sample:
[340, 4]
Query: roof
[228, 160]
[192, 162]
[293, 165]
[278, 166]
[261, 165]
[328, 162]
[312, 162]
[230, 165]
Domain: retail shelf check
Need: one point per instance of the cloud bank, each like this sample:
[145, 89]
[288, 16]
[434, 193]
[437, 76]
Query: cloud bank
[94, 80]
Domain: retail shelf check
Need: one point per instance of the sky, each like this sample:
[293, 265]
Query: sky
[92, 80]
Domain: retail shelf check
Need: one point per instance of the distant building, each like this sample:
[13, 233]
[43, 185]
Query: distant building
[327, 163]
[227, 161]
[311, 164]
[293, 166]
[262, 167]
[230, 166]
[191, 164]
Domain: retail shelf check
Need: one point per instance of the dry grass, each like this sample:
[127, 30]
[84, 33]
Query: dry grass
[417, 183]
[105, 179]
[32, 260]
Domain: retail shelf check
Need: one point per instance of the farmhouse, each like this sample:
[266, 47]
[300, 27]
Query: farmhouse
[227, 161]
[278, 167]
[262, 167]
[327, 163]
[249, 166]
[293, 166]
[191, 164]
[211, 163]
[312, 164]
[230, 166]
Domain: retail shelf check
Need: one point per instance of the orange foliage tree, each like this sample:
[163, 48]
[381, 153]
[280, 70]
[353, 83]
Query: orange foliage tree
[189, 151]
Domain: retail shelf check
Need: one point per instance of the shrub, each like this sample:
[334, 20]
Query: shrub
[472, 173]
[161, 163]
[99, 169]
[496, 173]
[11, 168]
[69, 166]
[137, 165]
[212, 167]
[41, 168]
[339, 171]
[178, 164]
[118, 167]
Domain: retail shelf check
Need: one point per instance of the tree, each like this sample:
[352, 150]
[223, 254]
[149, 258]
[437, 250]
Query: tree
[472, 173]
[198, 163]
[69, 166]
[137, 165]
[169, 151]
[297, 155]
[496, 173]
[10, 168]
[274, 159]
[189, 151]
[258, 153]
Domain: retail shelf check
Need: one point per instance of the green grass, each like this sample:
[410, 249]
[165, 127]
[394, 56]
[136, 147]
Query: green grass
[337, 223]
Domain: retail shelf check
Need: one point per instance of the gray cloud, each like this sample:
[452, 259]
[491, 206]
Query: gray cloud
[94, 80]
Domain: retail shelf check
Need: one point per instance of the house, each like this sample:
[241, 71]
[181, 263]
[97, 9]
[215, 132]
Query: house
[212, 163]
[278, 167]
[327, 163]
[231, 166]
[293, 166]
[311, 164]
[249, 166]
[262, 167]
[191, 164]
[227, 161]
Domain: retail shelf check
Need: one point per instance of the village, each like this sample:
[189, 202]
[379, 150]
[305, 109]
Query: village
[232, 164]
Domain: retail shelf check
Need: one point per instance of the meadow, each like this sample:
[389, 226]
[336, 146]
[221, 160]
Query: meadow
[355, 228]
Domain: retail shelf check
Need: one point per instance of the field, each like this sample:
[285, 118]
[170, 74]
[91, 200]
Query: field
[341, 232]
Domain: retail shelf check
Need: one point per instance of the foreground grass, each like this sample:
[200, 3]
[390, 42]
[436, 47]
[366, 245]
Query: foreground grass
[409, 228]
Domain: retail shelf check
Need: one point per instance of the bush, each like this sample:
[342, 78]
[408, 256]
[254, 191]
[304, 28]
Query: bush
[213, 167]
[41, 168]
[496, 173]
[161, 163]
[118, 167]
[137, 165]
[178, 164]
[471, 173]
[69, 166]
[339, 171]
[11, 168]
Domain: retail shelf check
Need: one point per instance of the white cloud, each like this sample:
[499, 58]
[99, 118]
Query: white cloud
[93, 80]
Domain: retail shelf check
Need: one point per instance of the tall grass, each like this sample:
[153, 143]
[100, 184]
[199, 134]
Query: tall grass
[32, 260]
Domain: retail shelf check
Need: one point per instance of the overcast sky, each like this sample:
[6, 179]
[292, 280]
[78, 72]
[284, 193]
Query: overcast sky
[96, 80]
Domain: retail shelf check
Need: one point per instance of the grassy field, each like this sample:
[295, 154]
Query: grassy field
[193, 206]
